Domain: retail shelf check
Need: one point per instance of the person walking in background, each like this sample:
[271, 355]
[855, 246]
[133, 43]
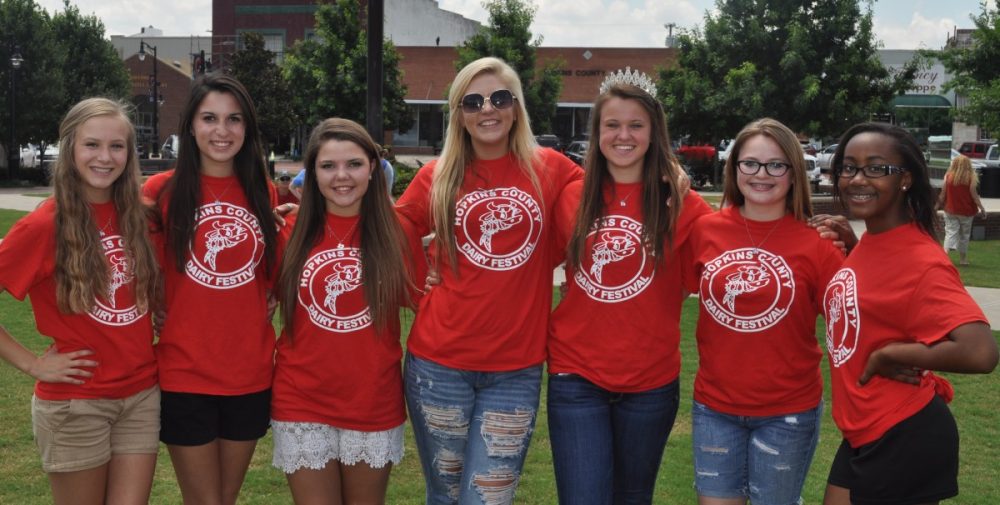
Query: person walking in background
[85, 258]
[613, 348]
[759, 271]
[218, 243]
[337, 410]
[896, 311]
[961, 203]
[283, 185]
[474, 367]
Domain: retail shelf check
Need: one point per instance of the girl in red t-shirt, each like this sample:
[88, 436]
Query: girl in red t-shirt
[613, 347]
[896, 311]
[337, 406]
[759, 271]
[961, 203]
[218, 250]
[474, 366]
[85, 258]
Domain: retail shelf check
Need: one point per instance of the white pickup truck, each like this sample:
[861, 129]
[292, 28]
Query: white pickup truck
[992, 158]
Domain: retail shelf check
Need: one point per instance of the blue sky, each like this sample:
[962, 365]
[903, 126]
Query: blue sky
[899, 24]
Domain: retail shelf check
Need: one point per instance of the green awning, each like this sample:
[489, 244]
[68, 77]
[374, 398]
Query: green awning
[922, 101]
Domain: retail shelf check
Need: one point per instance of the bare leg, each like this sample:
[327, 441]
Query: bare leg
[364, 485]
[197, 469]
[130, 478]
[836, 495]
[316, 487]
[84, 487]
[234, 458]
[711, 500]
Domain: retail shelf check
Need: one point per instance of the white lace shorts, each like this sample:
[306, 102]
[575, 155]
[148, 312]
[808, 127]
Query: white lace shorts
[312, 445]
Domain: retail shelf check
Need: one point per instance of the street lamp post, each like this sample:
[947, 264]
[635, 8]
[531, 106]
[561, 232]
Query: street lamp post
[155, 150]
[13, 150]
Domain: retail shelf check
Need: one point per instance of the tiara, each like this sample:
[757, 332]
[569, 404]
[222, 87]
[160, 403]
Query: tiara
[629, 76]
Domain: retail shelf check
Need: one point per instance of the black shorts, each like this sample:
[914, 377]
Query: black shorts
[195, 419]
[916, 461]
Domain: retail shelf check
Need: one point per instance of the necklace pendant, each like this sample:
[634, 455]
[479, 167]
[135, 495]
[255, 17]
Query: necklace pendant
[622, 203]
[340, 245]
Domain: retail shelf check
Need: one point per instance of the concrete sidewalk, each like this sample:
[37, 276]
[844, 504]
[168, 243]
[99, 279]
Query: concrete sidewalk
[987, 298]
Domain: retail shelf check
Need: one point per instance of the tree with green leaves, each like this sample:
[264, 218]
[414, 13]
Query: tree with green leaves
[812, 65]
[975, 71]
[93, 66]
[508, 37]
[254, 66]
[328, 73]
[41, 91]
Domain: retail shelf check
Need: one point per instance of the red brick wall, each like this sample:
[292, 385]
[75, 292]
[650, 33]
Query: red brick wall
[175, 86]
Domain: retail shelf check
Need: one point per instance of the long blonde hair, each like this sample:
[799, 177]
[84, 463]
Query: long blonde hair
[82, 272]
[961, 172]
[797, 201]
[457, 153]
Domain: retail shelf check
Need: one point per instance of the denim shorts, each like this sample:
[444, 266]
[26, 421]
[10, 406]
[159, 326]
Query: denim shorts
[765, 459]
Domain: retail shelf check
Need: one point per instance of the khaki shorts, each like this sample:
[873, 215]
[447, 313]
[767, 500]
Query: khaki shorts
[74, 435]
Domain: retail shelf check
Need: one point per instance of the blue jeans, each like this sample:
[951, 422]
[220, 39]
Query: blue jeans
[763, 458]
[606, 446]
[472, 429]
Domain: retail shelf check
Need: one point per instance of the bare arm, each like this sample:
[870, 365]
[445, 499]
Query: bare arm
[51, 366]
[970, 348]
[978, 202]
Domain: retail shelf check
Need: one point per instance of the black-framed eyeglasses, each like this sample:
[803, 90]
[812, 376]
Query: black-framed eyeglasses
[870, 171]
[500, 99]
[773, 168]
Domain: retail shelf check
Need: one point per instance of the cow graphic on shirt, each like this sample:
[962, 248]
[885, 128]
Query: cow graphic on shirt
[331, 290]
[227, 247]
[618, 267]
[120, 275]
[498, 229]
[746, 279]
[117, 305]
[500, 217]
[760, 280]
[610, 249]
[223, 236]
[345, 277]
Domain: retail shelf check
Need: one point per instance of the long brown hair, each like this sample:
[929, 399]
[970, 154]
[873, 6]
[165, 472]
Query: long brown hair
[457, 153]
[659, 163]
[384, 258]
[797, 200]
[82, 272]
[250, 166]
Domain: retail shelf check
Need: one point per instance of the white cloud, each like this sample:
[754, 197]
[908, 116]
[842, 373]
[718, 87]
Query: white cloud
[920, 33]
[120, 17]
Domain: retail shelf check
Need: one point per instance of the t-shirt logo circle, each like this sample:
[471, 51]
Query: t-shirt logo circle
[618, 267]
[227, 246]
[117, 306]
[329, 290]
[748, 289]
[498, 228]
[843, 321]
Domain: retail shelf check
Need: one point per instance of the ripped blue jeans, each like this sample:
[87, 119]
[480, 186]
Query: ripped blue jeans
[763, 458]
[472, 429]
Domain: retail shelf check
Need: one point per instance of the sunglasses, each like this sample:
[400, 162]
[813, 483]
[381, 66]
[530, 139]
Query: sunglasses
[285, 178]
[500, 99]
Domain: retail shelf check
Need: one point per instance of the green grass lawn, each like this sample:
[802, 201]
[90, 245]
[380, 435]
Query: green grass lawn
[984, 270]
[24, 483]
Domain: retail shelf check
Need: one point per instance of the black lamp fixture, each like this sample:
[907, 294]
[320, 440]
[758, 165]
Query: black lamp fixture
[154, 96]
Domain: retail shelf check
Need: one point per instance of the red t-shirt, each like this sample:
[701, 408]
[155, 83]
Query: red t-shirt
[119, 334]
[958, 198]
[896, 286]
[217, 338]
[493, 315]
[619, 324]
[336, 369]
[757, 346]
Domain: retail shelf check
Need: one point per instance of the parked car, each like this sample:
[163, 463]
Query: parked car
[824, 158]
[993, 156]
[549, 140]
[975, 149]
[724, 153]
[977, 164]
[170, 147]
[813, 171]
[577, 151]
